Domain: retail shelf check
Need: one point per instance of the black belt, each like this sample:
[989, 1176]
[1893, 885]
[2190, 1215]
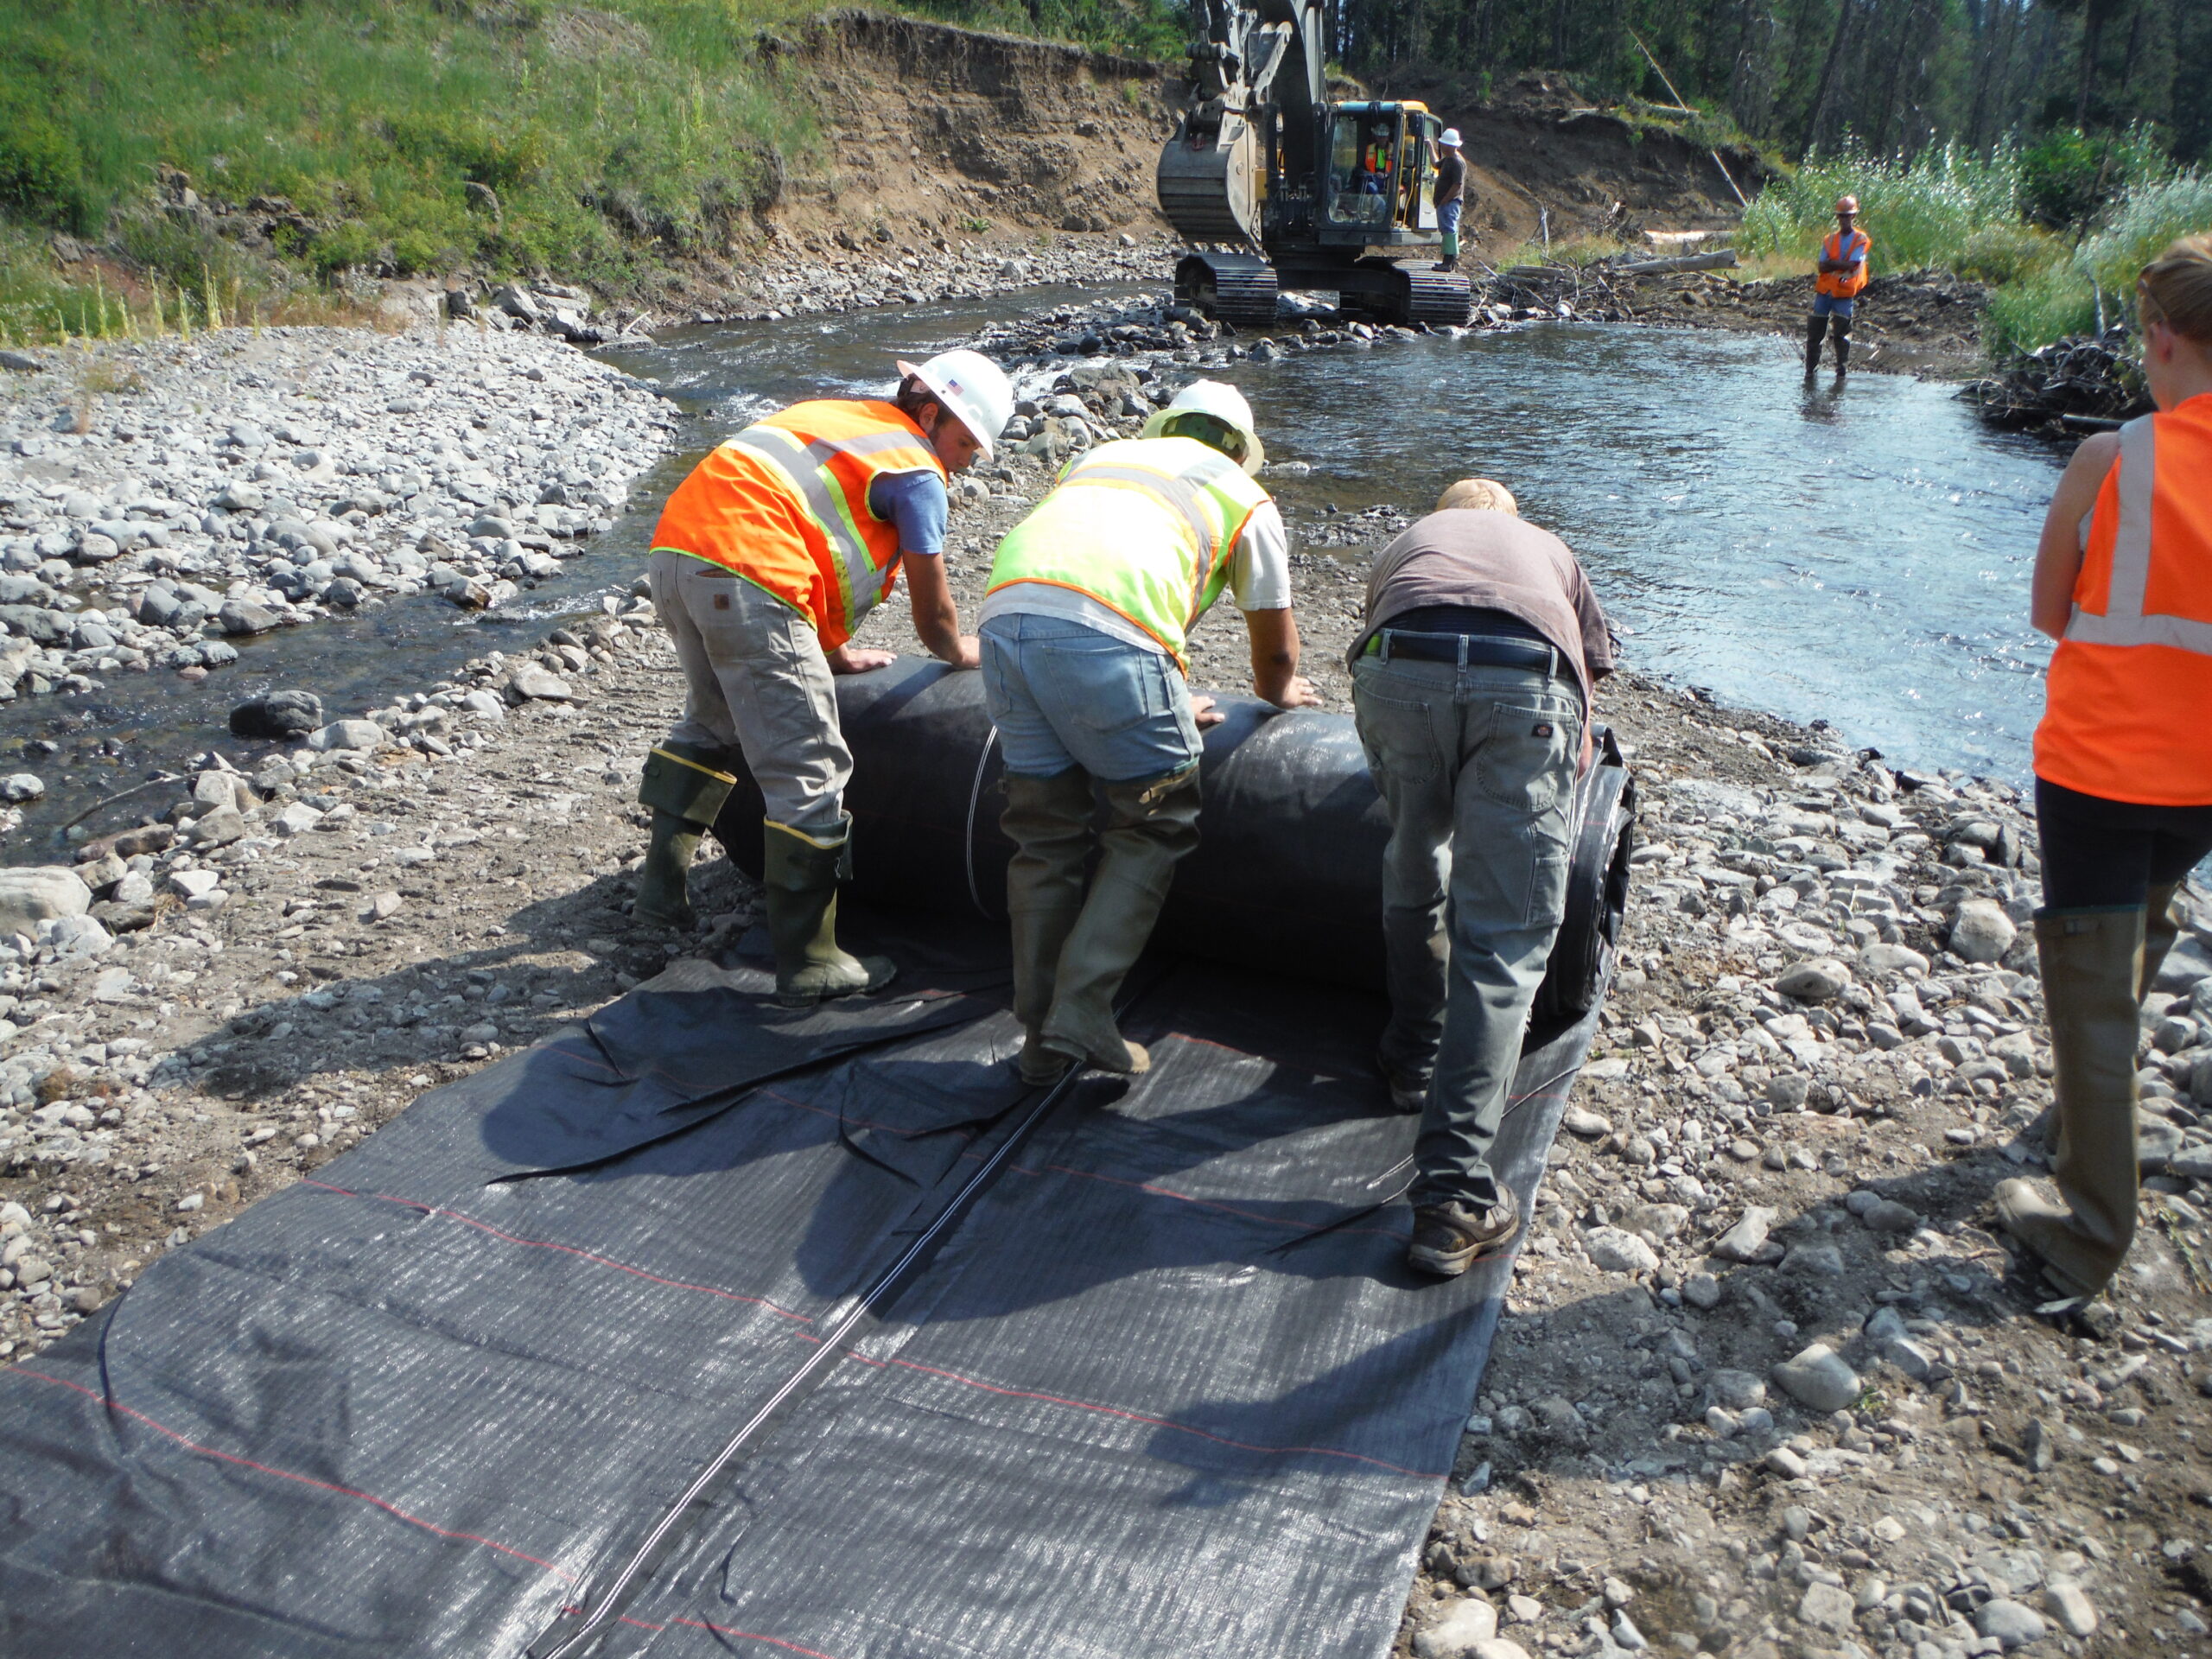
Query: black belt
[1465, 649]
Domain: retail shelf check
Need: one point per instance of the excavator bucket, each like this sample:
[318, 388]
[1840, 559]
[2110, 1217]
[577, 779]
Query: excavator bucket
[1208, 179]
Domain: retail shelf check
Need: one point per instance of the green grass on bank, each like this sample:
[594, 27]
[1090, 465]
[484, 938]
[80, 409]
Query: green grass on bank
[415, 136]
[1990, 218]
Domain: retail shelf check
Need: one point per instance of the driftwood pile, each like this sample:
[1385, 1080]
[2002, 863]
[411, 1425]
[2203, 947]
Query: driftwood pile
[2086, 383]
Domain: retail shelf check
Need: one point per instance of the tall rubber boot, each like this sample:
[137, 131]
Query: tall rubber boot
[1048, 820]
[664, 880]
[2161, 927]
[685, 783]
[1842, 349]
[1814, 336]
[2092, 962]
[800, 873]
[1151, 824]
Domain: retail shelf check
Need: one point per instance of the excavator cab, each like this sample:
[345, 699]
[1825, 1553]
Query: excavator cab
[1382, 172]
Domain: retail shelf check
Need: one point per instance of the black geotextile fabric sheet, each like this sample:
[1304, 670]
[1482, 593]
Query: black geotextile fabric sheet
[1166, 1387]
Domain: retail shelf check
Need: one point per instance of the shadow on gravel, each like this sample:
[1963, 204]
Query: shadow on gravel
[402, 1019]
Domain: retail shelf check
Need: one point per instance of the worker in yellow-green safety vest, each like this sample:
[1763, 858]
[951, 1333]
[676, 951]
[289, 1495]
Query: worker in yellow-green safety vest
[1084, 633]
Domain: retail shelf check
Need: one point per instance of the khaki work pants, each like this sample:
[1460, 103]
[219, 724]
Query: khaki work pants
[756, 681]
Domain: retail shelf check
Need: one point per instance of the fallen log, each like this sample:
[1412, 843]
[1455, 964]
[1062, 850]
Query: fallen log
[1720, 260]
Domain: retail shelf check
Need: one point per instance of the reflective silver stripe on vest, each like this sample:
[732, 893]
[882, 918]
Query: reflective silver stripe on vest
[1176, 490]
[803, 463]
[2124, 622]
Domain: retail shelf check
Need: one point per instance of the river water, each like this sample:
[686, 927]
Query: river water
[1857, 552]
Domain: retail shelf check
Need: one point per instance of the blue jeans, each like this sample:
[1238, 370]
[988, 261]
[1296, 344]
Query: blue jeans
[1476, 768]
[1826, 305]
[1063, 695]
[1447, 216]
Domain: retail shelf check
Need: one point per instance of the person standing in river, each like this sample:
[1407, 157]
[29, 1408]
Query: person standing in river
[765, 560]
[1835, 288]
[1471, 688]
[2123, 760]
[1450, 194]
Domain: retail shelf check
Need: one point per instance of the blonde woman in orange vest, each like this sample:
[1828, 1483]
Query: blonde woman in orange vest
[1835, 296]
[2123, 761]
[765, 560]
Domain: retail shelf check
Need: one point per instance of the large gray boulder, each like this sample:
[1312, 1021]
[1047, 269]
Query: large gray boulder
[39, 893]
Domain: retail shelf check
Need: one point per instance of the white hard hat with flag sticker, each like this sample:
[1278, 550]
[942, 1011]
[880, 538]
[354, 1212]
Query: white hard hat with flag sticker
[973, 387]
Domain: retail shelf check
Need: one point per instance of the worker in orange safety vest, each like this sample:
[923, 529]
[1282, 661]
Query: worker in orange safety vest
[765, 560]
[1842, 275]
[2123, 763]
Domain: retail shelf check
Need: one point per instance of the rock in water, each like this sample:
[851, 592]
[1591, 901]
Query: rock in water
[237, 617]
[1983, 933]
[1818, 1379]
[39, 893]
[21, 786]
[280, 715]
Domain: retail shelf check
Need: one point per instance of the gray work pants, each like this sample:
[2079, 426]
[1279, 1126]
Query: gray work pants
[755, 680]
[1476, 769]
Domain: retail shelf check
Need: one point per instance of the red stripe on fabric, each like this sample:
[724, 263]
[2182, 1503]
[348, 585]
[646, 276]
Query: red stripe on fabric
[1139, 1417]
[566, 1249]
[112, 1404]
[752, 1636]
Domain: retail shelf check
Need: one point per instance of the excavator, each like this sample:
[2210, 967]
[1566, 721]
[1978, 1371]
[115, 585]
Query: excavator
[1332, 196]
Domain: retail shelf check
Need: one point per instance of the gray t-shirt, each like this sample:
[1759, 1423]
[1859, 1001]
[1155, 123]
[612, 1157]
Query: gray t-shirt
[1489, 560]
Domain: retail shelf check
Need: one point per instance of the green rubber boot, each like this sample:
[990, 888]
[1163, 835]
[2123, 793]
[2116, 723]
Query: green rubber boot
[800, 873]
[1151, 824]
[2161, 927]
[1048, 820]
[685, 783]
[2092, 961]
[664, 881]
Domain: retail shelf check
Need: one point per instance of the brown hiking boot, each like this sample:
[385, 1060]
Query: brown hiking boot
[1449, 1238]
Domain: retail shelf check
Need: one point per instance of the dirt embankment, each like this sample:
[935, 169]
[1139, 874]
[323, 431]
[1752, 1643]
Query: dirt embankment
[935, 129]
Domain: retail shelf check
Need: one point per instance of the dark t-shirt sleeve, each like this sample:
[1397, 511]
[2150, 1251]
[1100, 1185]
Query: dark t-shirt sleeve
[917, 504]
[1597, 632]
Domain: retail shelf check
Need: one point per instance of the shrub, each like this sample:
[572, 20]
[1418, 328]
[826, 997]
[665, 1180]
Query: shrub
[471, 150]
[1997, 254]
[42, 172]
[1920, 213]
[2043, 306]
[2149, 216]
[2067, 176]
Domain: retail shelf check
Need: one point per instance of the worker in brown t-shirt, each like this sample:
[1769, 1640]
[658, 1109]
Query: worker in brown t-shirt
[1482, 643]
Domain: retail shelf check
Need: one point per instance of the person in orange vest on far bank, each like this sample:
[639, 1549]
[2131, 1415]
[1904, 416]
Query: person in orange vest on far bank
[1842, 274]
[2123, 763]
[765, 560]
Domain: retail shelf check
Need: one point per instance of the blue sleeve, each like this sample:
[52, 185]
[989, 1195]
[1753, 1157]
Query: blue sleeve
[917, 502]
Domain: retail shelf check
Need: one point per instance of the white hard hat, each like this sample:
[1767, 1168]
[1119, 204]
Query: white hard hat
[1451, 139]
[1225, 404]
[972, 387]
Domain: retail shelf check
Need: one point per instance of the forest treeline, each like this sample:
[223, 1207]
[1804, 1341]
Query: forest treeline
[1893, 77]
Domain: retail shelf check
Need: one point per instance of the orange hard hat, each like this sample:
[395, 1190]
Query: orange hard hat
[1847, 204]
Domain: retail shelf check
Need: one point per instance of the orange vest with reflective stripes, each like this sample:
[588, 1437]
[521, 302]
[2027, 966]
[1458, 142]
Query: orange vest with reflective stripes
[2127, 706]
[1845, 284]
[784, 505]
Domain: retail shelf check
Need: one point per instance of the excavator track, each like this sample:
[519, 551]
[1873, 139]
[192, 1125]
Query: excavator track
[1439, 298]
[1233, 287]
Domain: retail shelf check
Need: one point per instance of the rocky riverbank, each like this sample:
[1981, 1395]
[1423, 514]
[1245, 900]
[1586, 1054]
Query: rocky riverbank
[1769, 1382]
